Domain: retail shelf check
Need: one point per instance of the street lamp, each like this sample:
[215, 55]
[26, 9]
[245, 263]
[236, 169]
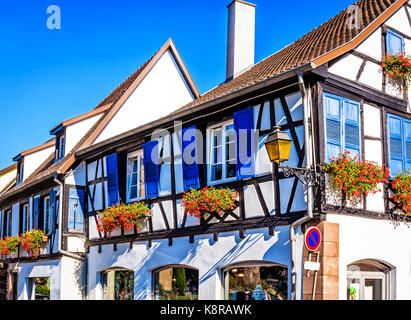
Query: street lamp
[278, 145]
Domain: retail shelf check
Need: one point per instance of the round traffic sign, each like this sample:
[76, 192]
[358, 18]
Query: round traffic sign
[313, 239]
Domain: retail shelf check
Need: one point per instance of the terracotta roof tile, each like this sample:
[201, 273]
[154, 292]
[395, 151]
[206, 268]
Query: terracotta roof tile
[327, 37]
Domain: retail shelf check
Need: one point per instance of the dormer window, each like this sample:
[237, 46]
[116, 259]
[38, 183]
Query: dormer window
[20, 171]
[60, 148]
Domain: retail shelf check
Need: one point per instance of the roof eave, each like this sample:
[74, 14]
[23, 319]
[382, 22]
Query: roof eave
[85, 153]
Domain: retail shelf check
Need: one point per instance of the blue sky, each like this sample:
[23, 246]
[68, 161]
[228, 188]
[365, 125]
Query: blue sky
[47, 76]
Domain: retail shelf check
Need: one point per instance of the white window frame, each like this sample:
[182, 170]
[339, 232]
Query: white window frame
[139, 155]
[46, 200]
[223, 126]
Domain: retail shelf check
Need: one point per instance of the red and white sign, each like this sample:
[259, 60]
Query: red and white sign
[313, 239]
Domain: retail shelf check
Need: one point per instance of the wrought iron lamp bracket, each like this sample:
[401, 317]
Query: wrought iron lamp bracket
[308, 177]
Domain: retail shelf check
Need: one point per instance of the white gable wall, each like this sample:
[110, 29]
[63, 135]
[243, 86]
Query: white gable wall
[161, 92]
[6, 179]
[34, 160]
[75, 132]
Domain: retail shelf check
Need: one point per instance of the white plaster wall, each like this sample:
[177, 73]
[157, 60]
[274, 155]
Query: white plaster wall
[347, 67]
[34, 160]
[39, 269]
[364, 238]
[76, 131]
[372, 75]
[373, 151]
[372, 45]
[6, 179]
[205, 255]
[162, 91]
[72, 279]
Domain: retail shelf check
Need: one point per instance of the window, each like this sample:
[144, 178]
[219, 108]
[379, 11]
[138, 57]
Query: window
[39, 288]
[60, 146]
[221, 154]
[20, 172]
[342, 126]
[369, 280]
[176, 283]
[118, 285]
[46, 213]
[256, 281]
[394, 42]
[25, 218]
[399, 144]
[135, 177]
[7, 224]
[76, 210]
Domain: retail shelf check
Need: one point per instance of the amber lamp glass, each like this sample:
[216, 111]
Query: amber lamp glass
[278, 145]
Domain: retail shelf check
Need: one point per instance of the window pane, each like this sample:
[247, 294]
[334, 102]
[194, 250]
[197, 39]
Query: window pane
[216, 172]
[176, 284]
[257, 283]
[42, 289]
[124, 285]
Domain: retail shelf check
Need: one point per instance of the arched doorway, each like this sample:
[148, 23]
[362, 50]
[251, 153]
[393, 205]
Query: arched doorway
[370, 279]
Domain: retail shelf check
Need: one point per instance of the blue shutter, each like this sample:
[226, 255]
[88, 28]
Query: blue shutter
[407, 143]
[394, 42]
[333, 130]
[112, 179]
[190, 170]
[395, 144]
[244, 125]
[76, 209]
[1, 224]
[52, 213]
[36, 212]
[151, 171]
[352, 133]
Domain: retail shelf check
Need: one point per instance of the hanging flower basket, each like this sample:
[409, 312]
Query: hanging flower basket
[10, 246]
[401, 186]
[32, 242]
[202, 203]
[123, 215]
[398, 68]
[351, 177]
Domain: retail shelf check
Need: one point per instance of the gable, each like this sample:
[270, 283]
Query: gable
[363, 63]
[163, 90]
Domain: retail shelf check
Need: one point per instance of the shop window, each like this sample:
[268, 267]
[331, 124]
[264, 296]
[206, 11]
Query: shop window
[39, 288]
[256, 281]
[176, 283]
[369, 280]
[118, 285]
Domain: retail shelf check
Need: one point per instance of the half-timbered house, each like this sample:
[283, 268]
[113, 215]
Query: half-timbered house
[328, 93]
[49, 192]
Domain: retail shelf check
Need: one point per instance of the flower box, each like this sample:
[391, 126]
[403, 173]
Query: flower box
[398, 69]
[208, 201]
[127, 216]
[351, 178]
